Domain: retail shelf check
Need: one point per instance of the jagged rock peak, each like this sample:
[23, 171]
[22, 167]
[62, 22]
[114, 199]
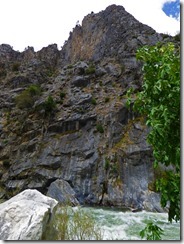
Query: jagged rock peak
[109, 33]
[7, 52]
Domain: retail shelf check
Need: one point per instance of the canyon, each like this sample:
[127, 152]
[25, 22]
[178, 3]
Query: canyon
[63, 115]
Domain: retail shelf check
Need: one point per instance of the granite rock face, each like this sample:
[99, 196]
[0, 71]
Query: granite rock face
[26, 216]
[63, 114]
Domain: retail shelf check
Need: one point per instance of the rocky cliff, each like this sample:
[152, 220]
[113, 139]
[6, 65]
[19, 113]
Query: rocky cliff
[63, 114]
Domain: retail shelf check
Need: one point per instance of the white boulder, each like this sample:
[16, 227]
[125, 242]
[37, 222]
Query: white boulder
[26, 216]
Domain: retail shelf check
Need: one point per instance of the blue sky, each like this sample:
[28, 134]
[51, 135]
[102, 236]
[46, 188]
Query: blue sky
[172, 9]
[39, 23]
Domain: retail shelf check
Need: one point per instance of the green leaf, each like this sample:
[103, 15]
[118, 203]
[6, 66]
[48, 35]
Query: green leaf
[159, 102]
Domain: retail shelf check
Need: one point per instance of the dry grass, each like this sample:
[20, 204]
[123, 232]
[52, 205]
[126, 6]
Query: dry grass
[74, 224]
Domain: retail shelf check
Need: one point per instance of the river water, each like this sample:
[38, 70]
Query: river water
[119, 225]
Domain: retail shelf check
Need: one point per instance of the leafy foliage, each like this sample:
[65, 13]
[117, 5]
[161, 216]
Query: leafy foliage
[49, 105]
[100, 128]
[151, 232]
[62, 95]
[170, 189]
[34, 90]
[159, 101]
[93, 101]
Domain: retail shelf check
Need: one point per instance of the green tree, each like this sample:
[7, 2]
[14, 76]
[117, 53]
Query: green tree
[151, 232]
[159, 102]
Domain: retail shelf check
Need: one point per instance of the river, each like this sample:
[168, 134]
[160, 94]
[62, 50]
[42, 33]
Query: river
[119, 225]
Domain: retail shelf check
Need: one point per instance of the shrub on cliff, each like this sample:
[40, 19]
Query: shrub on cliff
[34, 90]
[100, 128]
[90, 70]
[15, 67]
[27, 97]
[49, 105]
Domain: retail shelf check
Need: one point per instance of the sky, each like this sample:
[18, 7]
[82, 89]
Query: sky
[172, 9]
[39, 23]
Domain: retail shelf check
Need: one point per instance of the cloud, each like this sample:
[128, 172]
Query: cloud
[39, 23]
[150, 12]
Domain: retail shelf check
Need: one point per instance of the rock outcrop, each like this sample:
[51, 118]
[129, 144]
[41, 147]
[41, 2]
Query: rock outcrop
[63, 114]
[26, 216]
[62, 192]
[112, 33]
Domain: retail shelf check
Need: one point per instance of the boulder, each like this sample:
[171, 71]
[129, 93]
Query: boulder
[80, 67]
[26, 216]
[114, 70]
[62, 192]
[79, 81]
[152, 203]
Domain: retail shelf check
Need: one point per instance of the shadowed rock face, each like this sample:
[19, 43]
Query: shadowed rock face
[76, 126]
[62, 192]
